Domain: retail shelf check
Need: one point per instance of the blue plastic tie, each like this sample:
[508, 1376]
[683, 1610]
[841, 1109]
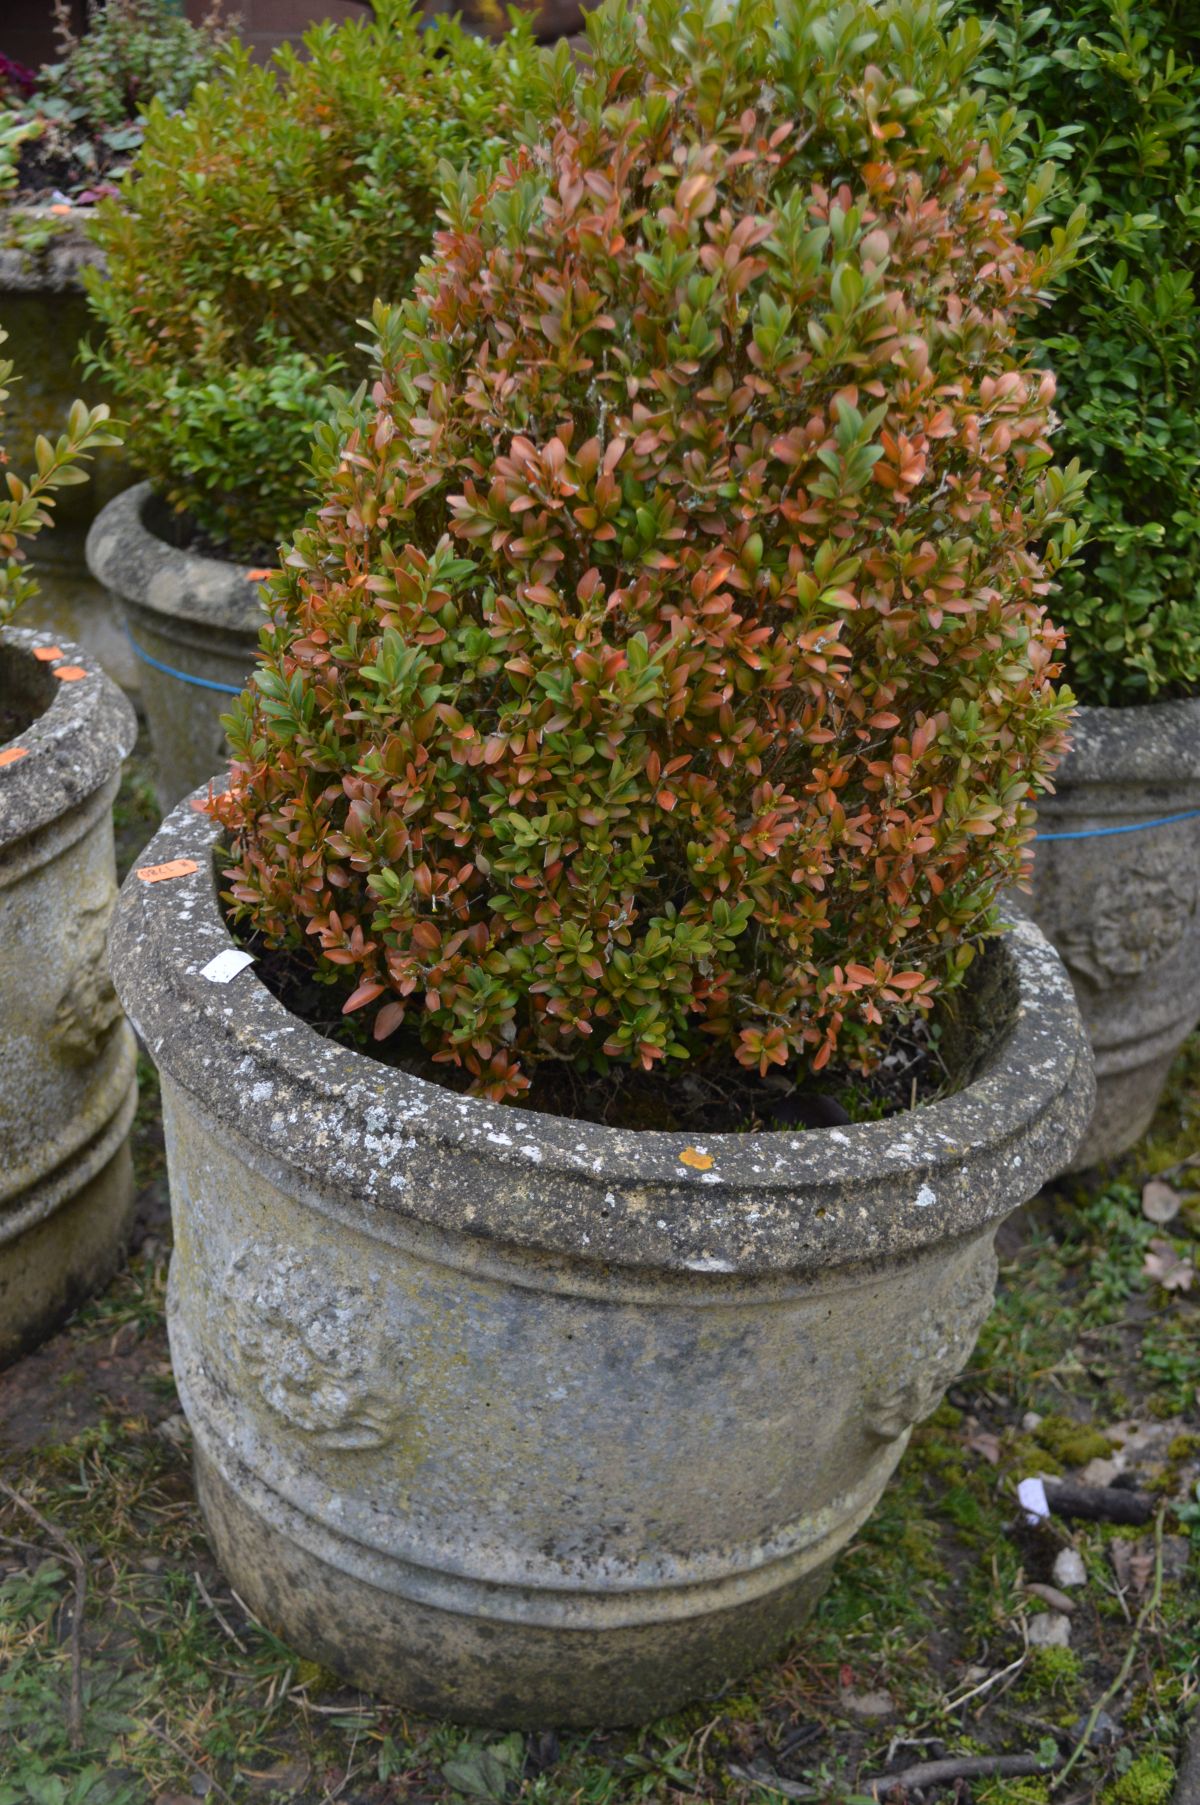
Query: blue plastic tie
[1132, 827]
[168, 670]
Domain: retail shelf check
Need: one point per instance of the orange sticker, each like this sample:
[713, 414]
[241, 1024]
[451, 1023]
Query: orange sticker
[699, 1162]
[70, 673]
[258, 576]
[155, 874]
[60, 207]
[11, 754]
[47, 654]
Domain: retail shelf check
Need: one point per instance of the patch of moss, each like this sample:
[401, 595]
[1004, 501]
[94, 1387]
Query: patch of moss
[1014, 1792]
[1149, 1781]
[1051, 1673]
[1074, 1444]
[1021, 1455]
[1184, 1447]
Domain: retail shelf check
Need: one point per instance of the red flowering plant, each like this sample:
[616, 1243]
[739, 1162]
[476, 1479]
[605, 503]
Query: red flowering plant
[667, 671]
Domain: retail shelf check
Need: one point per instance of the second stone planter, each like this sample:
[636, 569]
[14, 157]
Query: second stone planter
[527, 1421]
[193, 624]
[1116, 887]
[68, 1080]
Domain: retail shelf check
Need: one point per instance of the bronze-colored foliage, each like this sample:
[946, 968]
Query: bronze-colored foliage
[667, 669]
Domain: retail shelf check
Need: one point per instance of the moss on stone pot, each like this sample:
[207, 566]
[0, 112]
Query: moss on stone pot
[524, 1420]
[193, 622]
[1116, 887]
[67, 1085]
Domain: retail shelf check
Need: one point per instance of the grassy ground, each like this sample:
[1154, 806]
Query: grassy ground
[921, 1647]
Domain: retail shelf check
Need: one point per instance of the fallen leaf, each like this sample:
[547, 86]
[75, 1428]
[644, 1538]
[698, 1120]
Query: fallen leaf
[1160, 1201]
[868, 1704]
[1169, 1268]
[699, 1162]
[987, 1444]
[1133, 1564]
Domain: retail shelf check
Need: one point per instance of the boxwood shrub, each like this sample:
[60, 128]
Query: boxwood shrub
[666, 671]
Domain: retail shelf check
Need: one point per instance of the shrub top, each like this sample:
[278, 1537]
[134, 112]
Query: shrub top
[254, 231]
[1112, 92]
[666, 670]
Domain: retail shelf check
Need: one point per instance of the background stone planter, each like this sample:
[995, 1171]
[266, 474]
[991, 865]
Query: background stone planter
[193, 622]
[68, 1085]
[524, 1420]
[1122, 907]
[46, 316]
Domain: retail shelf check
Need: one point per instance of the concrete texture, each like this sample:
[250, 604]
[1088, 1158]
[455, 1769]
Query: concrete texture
[1122, 908]
[68, 1084]
[46, 317]
[526, 1421]
[200, 616]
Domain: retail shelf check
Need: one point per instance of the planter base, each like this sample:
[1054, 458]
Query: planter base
[510, 1674]
[68, 1240]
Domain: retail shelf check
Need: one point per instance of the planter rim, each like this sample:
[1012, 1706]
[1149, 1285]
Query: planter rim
[783, 1203]
[57, 267]
[1151, 742]
[78, 741]
[127, 557]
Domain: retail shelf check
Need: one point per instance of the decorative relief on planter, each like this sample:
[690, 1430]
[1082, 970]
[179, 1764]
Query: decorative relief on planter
[311, 1347]
[1140, 914]
[87, 1007]
[914, 1384]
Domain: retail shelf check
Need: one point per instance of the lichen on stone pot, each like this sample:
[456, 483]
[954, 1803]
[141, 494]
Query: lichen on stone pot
[68, 1085]
[193, 623]
[1118, 896]
[522, 1420]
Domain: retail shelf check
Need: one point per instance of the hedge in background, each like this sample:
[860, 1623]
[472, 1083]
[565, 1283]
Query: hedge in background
[1111, 90]
[257, 228]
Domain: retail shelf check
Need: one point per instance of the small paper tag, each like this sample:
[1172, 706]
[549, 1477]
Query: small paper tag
[1031, 1494]
[11, 754]
[226, 965]
[47, 654]
[157, 874]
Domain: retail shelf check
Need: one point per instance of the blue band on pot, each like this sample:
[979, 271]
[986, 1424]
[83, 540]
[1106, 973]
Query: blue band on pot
[226, 689]
[1132, 827]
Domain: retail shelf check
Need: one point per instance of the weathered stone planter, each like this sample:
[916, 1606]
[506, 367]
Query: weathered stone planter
[44, 312]
[1122, 907]
[527, 1421]
[68, 1083]
[193, 623]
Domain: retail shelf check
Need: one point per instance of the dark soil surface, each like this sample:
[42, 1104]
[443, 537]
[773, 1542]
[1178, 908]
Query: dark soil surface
[716, 1097]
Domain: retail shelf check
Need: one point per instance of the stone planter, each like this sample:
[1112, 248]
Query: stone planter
[46, 316]
[68, 1083]
[193, 623]
[528, 1421]
[1121, 907]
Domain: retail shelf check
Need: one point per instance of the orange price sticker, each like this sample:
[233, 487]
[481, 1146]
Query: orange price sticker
[47, 654]
[70, 673]
[157, 874]
[699, 1162]
[258, 576]
[60, 208]
[11, 754]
